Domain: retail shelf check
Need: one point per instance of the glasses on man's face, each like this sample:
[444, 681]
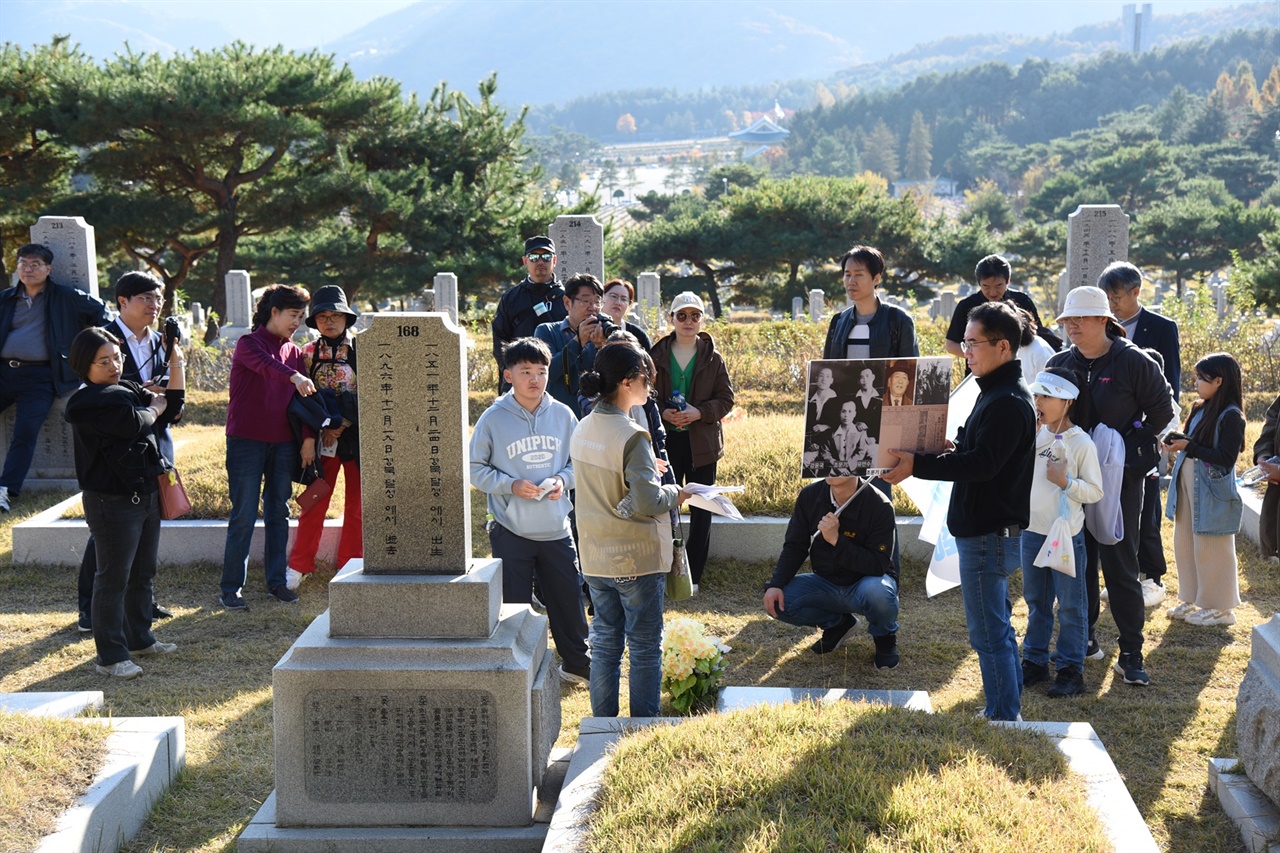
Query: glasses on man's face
[31, 265]
[593, 304]
[150, 298]
[541, 256]
[110, 361]
[688, 316]
[967, 346]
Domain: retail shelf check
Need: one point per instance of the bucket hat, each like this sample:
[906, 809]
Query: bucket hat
[330, 298]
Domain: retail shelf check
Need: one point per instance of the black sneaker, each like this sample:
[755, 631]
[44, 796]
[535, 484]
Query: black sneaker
[283, 594]
[1129, 666]
[85, 625]
[158, 612]
[1094, 652]
[576, 676]
[1034, 673]
[886, 651]
[1070, 682]
[836, 636]
[235, 601]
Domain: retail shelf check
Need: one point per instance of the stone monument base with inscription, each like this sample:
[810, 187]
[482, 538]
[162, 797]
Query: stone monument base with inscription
[434, 742]
[53, 465]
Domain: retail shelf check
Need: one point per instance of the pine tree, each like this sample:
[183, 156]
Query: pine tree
[880, 155]
[919, 150]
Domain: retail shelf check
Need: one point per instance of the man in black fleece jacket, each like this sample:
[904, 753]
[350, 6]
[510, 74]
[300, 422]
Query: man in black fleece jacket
[991, 466]
[848, 532]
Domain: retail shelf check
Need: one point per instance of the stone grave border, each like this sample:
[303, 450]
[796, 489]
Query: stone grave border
[47, 538]
[1249, 809]
[1078, 742]
[144, 757]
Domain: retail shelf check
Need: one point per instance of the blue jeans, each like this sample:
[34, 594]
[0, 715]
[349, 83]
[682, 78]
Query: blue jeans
[1040, 586]
[985, 565]
[127, 535]
[628, 610]
[31, 389]
[810, 600]
[250, 465]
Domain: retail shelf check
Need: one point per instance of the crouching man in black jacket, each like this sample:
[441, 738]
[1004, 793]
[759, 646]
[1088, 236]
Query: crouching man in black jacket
[848, 532]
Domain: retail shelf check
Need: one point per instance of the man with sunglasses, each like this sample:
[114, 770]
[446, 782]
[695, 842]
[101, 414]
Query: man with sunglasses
[574, 340]
[38, 319]
[537, 299]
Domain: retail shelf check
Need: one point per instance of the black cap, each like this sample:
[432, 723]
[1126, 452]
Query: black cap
[533, 244]
[330, 298]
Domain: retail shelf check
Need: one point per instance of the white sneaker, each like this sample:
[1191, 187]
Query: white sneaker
[4, 498]
[1208, 617]
[1182, 611]
[1152, 593]
[292, 578]
[125, 669]
[1105, 595]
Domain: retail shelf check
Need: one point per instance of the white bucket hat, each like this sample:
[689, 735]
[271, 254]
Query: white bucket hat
[1086, 302]
[1052, 385]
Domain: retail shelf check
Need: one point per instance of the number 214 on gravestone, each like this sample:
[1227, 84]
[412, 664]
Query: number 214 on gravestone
[408, 331]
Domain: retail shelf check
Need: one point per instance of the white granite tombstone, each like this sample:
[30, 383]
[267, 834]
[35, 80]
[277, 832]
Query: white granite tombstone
[239, 300]
[947, 304]
[75, 255]
[418, 712]
[1097, 234]
[444, 288]
[935, 308]
[797, 307]
[1258, 711]
[817, 304]
[579, 246]
[649, 294]
[197, 315]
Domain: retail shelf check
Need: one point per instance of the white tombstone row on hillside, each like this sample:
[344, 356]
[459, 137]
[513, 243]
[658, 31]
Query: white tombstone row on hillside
[1097, 235]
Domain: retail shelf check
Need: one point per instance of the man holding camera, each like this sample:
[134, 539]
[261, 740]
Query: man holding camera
[139, 297]
[38, 319]
[574, 340]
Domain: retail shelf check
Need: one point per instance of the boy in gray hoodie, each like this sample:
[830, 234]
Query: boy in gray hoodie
[520, 459]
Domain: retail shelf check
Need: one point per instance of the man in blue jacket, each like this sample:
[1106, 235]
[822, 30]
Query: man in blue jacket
[38, 319]
[1123, 283]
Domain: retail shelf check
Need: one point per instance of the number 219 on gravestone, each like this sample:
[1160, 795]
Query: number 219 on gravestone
[408, 331]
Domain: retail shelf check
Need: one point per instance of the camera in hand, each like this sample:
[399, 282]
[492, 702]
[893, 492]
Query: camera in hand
[607, 325]
[1172, 436]
[172, 332]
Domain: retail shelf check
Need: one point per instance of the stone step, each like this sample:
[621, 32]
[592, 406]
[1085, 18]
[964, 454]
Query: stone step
[66, 704]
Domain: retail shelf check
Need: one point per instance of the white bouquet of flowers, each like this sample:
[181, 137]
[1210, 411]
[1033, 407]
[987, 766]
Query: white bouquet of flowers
[692, 663]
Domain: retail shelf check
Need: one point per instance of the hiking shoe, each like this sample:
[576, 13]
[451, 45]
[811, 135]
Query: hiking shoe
[4, 498]
[576, 676]
[1208, 617]
[283, 594]
[1152, 593]
[1129, 666]
[293, 577]
[1182, 611]
[1034, 673]
[886, 651]
[836, 636]
[1094, 652]
[156, 648]
[85, 624]
[125, 669]
[235, 601]
[1070, 682]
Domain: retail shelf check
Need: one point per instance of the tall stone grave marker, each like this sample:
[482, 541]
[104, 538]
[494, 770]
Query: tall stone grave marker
[1097, 234]
[579, 246]
[75, 263]
[444, 289]
[648, 296]
[817, 304]
[418, 712]
[239, 299]
[75, 254]
[797, 307]
[420, 520]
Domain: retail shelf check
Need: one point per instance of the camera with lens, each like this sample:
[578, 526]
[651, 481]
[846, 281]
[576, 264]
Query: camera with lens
[607, 325]
[172, 333]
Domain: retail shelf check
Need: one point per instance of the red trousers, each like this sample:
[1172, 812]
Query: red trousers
[311, 523]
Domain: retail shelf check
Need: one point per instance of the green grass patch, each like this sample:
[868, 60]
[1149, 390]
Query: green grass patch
[843, 776]
[46, 764]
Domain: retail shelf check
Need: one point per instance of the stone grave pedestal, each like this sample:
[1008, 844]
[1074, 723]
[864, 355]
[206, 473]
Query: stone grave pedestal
[1258, 711]
[418, 712]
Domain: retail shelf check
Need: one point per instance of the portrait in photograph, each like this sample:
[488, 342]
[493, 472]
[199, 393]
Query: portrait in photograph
[900, 382]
